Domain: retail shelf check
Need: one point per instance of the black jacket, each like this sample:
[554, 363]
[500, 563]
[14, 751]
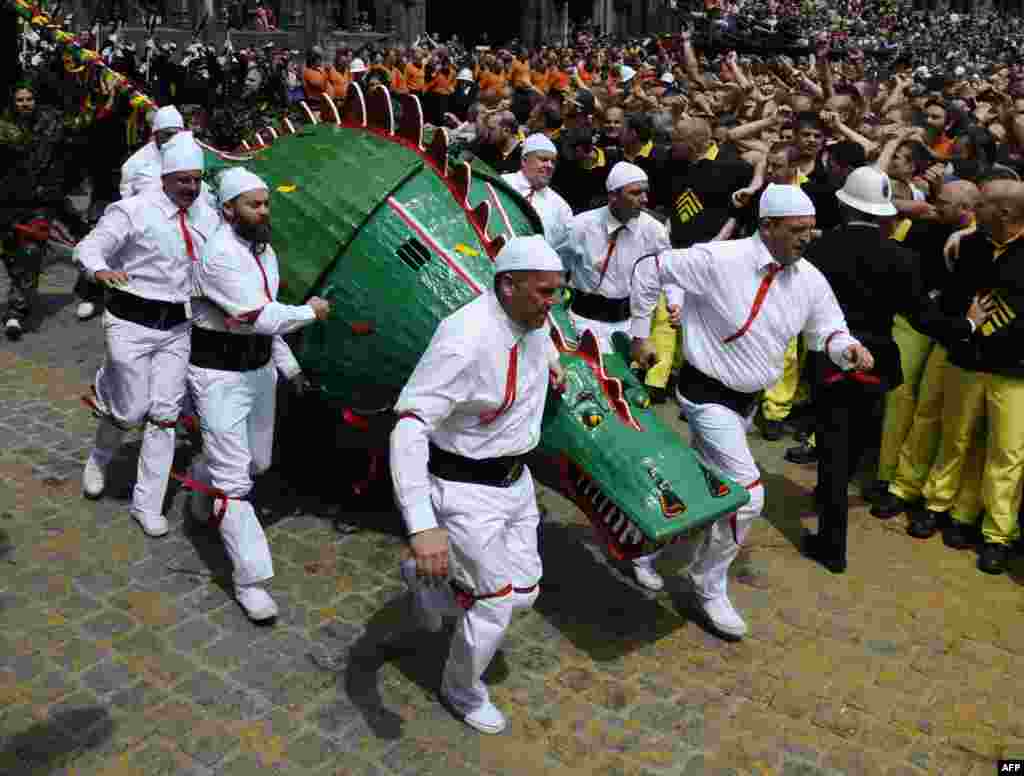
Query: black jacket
[998, 345]
[873, 278]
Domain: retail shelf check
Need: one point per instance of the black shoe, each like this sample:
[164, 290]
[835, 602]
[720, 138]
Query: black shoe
[876, 491]
[772, 430]
[889, 505]
[959, 535]
[657, 395]
[803, 453]
[993, 558]
[923, 524]
[814, 548]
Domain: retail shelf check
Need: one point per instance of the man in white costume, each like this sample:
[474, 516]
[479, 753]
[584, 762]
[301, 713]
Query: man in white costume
[600, 250]
[237, 349]
[533, 181]
[469, 413]
[745, 300]
[142, 170]
[143, 250]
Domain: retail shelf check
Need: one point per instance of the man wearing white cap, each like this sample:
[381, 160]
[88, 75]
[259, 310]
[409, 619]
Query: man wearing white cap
[237, 349]
[745, 299]
[143, 168]
[143, 250]
[469, 413]
[533, 181]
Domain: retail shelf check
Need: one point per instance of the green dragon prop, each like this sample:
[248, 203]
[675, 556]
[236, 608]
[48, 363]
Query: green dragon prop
[397, 238]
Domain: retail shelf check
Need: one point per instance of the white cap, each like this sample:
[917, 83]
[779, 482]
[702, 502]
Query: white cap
[868, 190]
[181, 152]
[780, 201]
[168, 118]
[528, 253]
[627, 73]
[357, 66]
[238, 180]
[538, 142]
[465, 74]
[668, 78]
[623, 174]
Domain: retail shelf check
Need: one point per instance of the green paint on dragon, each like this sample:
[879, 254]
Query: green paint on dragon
[368, 217]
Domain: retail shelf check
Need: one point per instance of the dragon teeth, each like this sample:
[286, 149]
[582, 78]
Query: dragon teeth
[618, 523]
[600, 501]
[610, 515]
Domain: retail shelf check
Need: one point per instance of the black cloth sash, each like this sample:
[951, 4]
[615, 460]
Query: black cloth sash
[151, 313]
[599, 308]
[496, 472]
[229, 352]
[697, 387]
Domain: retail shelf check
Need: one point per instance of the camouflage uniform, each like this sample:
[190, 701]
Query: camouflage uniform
[31, 187]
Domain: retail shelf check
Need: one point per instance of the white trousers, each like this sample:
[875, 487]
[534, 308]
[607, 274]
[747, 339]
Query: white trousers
[602, 330]
[719, 439]
[492, 537]
[142, 379]
[236, 415]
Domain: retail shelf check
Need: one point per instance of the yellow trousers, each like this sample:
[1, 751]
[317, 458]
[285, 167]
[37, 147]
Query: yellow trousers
[778, 400]
[921, 445]
[665, 339]
[972, 399]
[901, 402]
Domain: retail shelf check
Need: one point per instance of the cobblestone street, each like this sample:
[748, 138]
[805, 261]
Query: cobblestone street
[121, 654]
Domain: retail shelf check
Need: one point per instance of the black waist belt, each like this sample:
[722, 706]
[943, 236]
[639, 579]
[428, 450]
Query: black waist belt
[496, 472]
[600, 308]
[698, 388]
[229, 352]
[150, 313]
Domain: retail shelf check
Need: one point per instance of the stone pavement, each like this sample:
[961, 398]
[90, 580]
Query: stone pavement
[121, 654]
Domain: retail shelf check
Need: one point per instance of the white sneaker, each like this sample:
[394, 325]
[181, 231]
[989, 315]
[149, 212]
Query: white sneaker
[722, 617]
[153, 525]
[256, 601]
[647, 577]
[13, 329]
[424, 611]
[486, 719]
[85, 310]
[94, 478]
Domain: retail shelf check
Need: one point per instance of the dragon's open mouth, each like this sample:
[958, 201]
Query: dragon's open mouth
[624, 538]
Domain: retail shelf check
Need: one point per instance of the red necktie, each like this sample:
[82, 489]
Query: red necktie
[608, 256]
[190, 249]
[773, 269]
[511, 376]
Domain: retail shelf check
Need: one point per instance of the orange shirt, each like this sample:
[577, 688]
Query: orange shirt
[489, 81]
[414, 77]
[441, 83]
[314, 82]
[559, 80]
[585, 75]
[540, 79]
[397, 80]
[338, 83]
[520, 74]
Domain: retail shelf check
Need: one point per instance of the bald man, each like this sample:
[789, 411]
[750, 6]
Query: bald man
[981, 459]
[913, 412]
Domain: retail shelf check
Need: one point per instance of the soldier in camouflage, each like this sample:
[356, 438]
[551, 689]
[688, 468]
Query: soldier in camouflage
[31, 188]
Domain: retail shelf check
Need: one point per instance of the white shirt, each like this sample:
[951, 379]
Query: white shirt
[586, 245]
[233, 281]
[721, 281]
[142, 171]
[142, 236]
[554, 211]
[461, 397]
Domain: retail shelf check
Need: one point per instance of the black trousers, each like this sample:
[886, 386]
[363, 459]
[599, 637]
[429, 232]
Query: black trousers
[845, 425]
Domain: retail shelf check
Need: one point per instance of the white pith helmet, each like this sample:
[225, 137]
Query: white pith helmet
[868, 190]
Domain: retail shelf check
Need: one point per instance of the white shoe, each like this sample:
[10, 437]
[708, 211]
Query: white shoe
[153, 525]
[486, 719]
[256, 601]
[424, 611]
[13, 329]
[647, 577]
[85, 311]
[94, 478]
[722, 617]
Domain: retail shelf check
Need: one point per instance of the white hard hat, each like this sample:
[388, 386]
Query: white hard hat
[465, 74]
[868, 190]
[357, 66]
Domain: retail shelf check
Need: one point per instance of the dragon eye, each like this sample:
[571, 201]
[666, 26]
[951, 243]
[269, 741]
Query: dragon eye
[592, 419]
[638, 398]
